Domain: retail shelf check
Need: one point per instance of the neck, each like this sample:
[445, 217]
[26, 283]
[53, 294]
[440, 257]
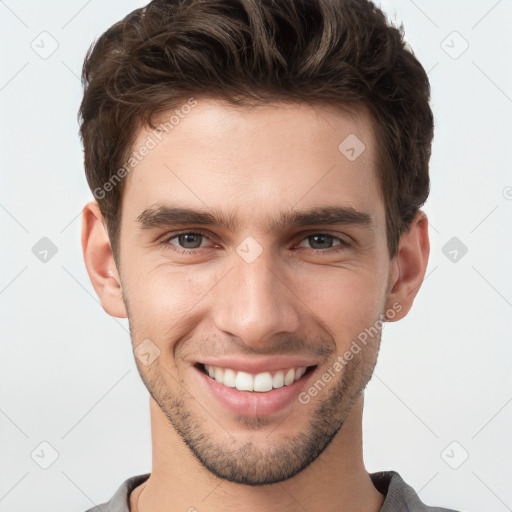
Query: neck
[179, 482]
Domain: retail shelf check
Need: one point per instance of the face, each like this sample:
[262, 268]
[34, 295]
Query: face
[253, 248]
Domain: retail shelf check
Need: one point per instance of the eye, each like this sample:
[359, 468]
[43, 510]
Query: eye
[184, 242]
[187, 242]
[323, 242]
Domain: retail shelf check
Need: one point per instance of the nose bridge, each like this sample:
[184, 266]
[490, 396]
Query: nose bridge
[253, 303]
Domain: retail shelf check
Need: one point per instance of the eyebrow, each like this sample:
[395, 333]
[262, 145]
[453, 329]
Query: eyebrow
[160, 216]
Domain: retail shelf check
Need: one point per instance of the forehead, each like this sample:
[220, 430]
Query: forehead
[251, 160]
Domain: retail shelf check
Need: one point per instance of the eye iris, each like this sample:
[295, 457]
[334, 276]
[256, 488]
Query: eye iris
[313, 240]
[188, 238]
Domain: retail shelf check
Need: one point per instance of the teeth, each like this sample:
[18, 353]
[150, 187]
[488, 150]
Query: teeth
[288, 378]
[299, 372]
[244, 381]
[229, 378]
[278, 380]
[261, 382]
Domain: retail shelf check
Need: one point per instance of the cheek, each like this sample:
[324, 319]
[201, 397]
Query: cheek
[164, 299]
[345, 302]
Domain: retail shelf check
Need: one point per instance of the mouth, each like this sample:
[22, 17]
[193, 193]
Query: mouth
[262, 382]
[254, 394]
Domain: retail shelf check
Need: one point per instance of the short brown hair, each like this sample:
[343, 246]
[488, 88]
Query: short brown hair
[340, 52]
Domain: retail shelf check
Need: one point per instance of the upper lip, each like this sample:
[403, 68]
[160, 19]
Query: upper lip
[260, 365]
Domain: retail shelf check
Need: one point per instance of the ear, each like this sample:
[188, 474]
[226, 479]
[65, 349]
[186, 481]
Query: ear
[408, 268]
[99, 261]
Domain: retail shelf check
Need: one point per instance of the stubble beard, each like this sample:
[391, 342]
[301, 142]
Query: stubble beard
[249, 463]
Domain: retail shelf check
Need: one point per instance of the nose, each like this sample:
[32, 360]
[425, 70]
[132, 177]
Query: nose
[256, 302]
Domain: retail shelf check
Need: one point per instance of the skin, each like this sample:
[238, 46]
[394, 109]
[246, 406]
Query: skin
[253, 164]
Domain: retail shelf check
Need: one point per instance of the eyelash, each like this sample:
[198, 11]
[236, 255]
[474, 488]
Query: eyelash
[165, 242]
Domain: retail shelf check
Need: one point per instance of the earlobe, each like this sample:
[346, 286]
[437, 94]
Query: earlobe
[100, 262]
[408, 268]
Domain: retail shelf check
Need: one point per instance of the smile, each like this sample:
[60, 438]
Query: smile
[261, 382]
[254, 387]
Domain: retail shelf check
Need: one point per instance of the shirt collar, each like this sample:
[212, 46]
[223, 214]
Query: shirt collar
[400, 497]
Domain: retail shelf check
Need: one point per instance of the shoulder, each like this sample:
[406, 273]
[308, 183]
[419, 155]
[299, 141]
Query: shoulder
[400, 497]
[120, 501]
[98, 508]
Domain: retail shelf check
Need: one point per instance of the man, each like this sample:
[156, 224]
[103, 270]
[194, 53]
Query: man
[258, 169]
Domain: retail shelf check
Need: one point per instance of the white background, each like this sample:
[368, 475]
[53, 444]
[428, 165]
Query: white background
[67, 372]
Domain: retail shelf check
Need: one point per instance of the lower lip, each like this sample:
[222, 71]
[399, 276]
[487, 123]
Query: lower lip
[254, 403]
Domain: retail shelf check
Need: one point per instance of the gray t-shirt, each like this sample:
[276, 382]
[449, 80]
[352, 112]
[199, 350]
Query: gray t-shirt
[400, 497]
